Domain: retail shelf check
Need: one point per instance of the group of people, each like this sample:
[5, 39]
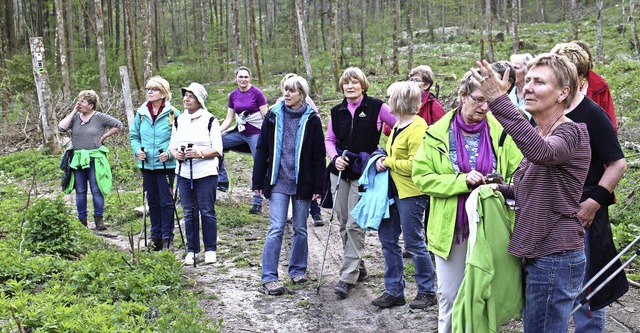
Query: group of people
[537, 135]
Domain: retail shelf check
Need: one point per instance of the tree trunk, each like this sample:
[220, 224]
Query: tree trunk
[236, 31]
[395, 66]
[156, 5]
[131, 47]
[490, 56]
[48, 119]
[174, 46]
[540, 10]
[574, 14]
[323, 28]
[146, 40]
[205, 40]
[333, 17]
[363, 30]
[443, 35]
[632, 17]
[302, 32]
[432, 33]
[10, 25]
[514, 25]
[126, 95]
[410, 35]
[599, 56]
[62, 42]
[254, 39]
[102, 60]
[478, 5]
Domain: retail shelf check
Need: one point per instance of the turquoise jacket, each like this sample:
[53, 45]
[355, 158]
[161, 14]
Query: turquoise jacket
[433, 174]
[373, 205]
[153, 136]
[82, 159]
[491, 292]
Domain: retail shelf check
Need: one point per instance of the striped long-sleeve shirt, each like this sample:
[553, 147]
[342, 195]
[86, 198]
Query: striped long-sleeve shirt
[547, 186]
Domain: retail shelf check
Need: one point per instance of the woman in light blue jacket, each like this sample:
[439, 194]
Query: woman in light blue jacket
[149, 138]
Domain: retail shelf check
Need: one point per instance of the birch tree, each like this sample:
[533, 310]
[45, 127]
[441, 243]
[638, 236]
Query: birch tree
[363, 30]
[146, 40]
[203, 26]
[70, 46]
[632, 18]
[254, 39]
[599, 56]
[410, 35]
[302, 32]
[487, 11]
[334, 43]
[235, 12]
[64, 66]
[395, 69]
[102, 59]
[514, 25]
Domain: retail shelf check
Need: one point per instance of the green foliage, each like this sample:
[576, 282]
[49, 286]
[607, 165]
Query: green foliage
[20, 73]
[49, 228]
[23, 164]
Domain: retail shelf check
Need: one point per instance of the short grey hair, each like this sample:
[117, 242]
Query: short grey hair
[297, 83]
[564, 70]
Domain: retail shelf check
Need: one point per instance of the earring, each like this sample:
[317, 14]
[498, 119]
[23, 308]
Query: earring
[559, 100]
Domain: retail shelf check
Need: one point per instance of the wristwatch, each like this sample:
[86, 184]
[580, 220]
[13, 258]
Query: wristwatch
[202, 154]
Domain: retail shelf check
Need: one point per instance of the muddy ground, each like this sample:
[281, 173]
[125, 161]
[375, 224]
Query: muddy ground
[229, 289]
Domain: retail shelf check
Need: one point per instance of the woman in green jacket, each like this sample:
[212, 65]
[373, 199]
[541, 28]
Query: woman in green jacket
[149, 137]
[456, 155]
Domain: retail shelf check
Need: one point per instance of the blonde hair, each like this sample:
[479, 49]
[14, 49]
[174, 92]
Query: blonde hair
[299, 84]
[522, 58]
[404, 98]
[566, 74]
[91, 97]
[285, 78]
[354, 73]
[160, 83]
[576, 54]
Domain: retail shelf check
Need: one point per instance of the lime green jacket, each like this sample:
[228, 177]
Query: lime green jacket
[491, 292]
[433, 174]
[400, 159]
[82, 159]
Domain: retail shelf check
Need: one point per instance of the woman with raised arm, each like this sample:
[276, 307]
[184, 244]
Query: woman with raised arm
[547, 187]
[89, 128]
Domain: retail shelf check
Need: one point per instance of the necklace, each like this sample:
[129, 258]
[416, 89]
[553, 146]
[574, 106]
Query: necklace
[548, 131]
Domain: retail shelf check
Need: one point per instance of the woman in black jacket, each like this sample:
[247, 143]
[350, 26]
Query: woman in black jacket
[288, 167]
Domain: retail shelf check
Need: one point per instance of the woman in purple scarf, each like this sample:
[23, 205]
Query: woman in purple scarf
[457, 153]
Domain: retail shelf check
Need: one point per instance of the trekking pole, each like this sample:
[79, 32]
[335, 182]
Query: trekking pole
[193, 210]
[326, 244]
[175, 194]
[144, 205]
[603, 270]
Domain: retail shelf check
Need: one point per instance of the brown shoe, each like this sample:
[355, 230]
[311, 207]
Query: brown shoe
[406, 254]
[100, 223]
[84, 222]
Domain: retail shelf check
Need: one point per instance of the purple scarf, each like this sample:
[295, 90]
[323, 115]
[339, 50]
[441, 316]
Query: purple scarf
[484, 165]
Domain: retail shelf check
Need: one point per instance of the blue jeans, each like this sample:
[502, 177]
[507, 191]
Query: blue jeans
[278, 207]
[80, 179]
[581, 320]
[234, 139]
[552, 283]
[406, 217]
[204, 193]
[158, 185]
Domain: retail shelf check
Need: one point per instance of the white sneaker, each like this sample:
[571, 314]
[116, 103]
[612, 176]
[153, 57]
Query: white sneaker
[209, 257]
[188, 259]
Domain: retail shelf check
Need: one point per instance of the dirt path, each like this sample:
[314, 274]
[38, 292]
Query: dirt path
[228, 290]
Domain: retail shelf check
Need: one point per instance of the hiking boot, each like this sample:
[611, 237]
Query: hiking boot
[317, 221]
[387, 301]
[300, 279]
[362, 274]
[155, 245]
[423, 301]
[84, 222]
[189, 258]
[223, 186]
[100, 223]
[406, 254]
[209, 257]
[273, 288]
[167, 244]
[256, 209]
[342, 289]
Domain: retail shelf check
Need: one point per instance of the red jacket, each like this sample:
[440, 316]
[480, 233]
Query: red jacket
[598, 91]
[430, 110]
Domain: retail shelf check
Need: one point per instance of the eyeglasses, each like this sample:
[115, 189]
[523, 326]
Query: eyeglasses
[416, 80]
[153, 90]
[478, 100]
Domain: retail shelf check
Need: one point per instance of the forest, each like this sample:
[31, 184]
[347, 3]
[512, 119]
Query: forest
[50, 50]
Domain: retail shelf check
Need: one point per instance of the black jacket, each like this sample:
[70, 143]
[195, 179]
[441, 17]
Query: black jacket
[311, 161]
